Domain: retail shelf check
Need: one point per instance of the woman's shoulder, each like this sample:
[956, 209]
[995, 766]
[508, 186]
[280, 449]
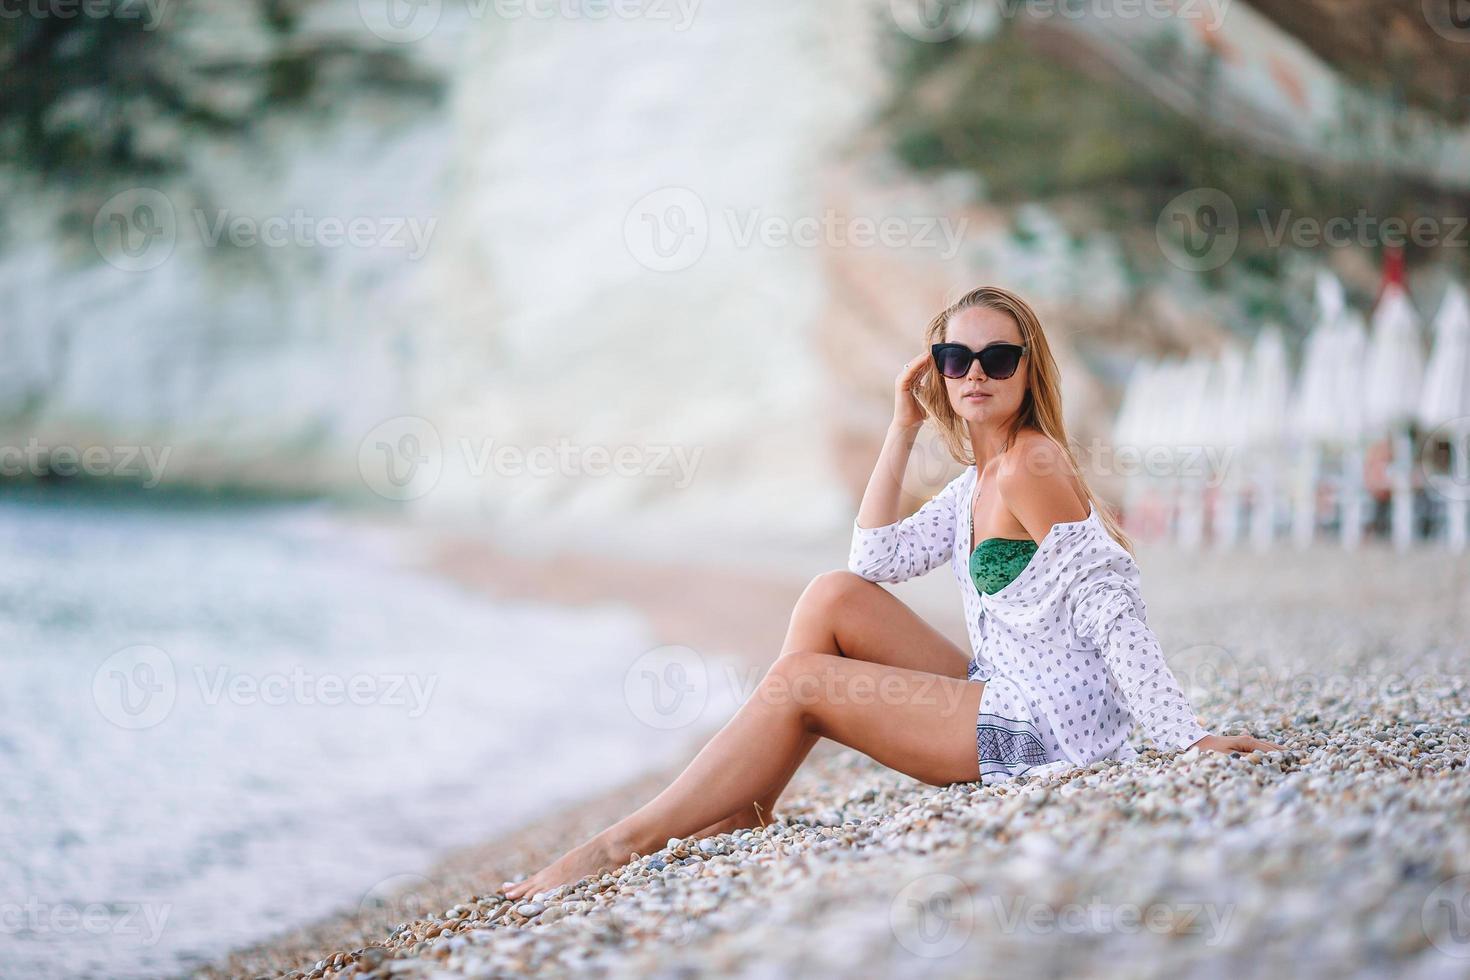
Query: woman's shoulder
[1033, 448]
[1037, 474]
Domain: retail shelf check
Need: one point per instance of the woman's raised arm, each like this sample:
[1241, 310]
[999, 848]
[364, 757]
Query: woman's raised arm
[913, 546]
[886, 546]
[884, 493]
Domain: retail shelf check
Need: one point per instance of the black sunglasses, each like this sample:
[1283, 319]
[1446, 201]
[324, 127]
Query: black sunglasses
[998, 361]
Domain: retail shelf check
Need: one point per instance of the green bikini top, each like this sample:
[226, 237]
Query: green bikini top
[996, 562]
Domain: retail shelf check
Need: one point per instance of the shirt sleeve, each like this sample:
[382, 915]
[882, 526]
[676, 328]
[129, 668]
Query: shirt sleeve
[1108, 610]
[913, 546]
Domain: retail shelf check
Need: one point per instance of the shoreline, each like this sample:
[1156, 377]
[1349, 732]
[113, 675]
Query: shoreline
[1357, 663]
[684, 604]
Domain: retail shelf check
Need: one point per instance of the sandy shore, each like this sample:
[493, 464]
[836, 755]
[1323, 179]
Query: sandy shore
[1346, 855]
[742, 614]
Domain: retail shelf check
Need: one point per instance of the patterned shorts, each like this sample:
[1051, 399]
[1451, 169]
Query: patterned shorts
[1012, 735]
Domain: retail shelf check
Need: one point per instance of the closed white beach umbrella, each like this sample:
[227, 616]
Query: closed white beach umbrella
[1328, 405]
[1327, 410]
[1152, 425]
[1264, 405]
[1130, 434]
[1162, 426]
[1445, 404]
[1391, 394]
[1225, 443]
[1192, 414]
[1445, 398]
[1311, 399]
[1331, 297]
[1267, 394]
[1134, 405]
[1189, 420]
[1392, 389]
[1313, 417]
[1224, 422]
[1349, 347]
[1149, 435]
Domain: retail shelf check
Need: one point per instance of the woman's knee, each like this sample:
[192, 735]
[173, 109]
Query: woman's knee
[829, 592]
[836, 585]
[798, 665]
[797, 679]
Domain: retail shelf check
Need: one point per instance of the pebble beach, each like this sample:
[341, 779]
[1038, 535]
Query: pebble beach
[1348, 854]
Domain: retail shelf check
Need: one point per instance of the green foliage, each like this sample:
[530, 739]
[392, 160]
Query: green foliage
[88, 97]
[1038, 128]
[1033, 127]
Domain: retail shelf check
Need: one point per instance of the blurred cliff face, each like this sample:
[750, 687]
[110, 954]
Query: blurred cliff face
[278, 237]
[616, 278]
[215, 216]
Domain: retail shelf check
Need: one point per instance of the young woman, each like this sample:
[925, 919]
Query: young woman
[1063, 663]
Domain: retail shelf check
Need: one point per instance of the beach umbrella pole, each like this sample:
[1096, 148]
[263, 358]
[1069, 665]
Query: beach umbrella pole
[1456, 504]
[1173, 509]
[1350, 507]
[1304, 513]
[1191, 512]
[1227, 514]
[1403, 495]
[1263, 505]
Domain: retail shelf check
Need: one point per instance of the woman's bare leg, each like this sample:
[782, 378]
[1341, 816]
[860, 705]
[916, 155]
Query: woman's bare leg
[919, 723]
[846, 615]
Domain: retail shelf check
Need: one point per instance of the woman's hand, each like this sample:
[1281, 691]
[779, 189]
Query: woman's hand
[907, 412]
[1236, 743]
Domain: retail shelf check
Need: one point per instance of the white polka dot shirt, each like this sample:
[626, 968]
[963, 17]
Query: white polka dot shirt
[1070, 630]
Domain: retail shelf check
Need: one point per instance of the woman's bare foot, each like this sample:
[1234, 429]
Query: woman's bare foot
[599, 854]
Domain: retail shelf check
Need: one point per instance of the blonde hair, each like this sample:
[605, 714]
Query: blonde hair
[1041, 406]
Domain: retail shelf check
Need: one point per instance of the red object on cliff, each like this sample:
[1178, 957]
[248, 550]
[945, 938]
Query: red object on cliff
[1393, 270]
